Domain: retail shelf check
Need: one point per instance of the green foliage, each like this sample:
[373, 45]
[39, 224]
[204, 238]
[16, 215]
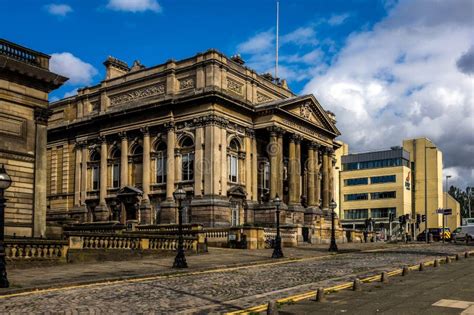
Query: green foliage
[462, 196]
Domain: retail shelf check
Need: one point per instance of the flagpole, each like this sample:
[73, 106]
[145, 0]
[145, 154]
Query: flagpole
[277, 25]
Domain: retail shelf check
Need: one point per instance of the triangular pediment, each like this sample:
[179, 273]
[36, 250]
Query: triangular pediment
[308, 108]
[129, 190]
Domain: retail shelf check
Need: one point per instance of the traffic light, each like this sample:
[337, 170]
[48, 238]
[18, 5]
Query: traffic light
[418, 218]
[400, 219]
[423, 218]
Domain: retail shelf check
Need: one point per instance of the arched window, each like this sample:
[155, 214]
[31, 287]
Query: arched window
[115, 157]
[95, 169]
[233, 161]
[160, 170]
[187, 158]
[137, 166]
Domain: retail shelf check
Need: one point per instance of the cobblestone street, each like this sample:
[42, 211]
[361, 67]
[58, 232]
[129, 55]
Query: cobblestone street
[219, 291]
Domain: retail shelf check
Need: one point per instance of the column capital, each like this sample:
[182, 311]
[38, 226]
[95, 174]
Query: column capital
[249, 132]
[296, 138]
[314, 145]
[42, 115]
[79, 144]
[145, 131]
[169, 126]
[328, 150]
[123, 135]
[276, 131]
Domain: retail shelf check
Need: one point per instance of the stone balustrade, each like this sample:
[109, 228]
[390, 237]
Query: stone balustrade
[35, 249]
[217, 237]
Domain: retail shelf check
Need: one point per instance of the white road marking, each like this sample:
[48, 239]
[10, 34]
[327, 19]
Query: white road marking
[465, 305]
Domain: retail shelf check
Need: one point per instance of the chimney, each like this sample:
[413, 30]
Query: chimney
[115, 68]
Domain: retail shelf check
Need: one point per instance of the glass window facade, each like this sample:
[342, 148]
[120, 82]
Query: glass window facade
[233, 168]
[383, 179]
[116, 176]
[356, 214]
[187, 166]
[356, 181]
[353, 197]
[382, 212]
[374, 164]
[383, 195]
[161, 167]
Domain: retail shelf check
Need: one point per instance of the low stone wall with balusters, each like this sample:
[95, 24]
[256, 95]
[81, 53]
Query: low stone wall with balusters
[217, 237]
[35, 249]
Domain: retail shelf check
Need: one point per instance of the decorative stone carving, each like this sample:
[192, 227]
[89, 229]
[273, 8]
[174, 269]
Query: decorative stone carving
[42, 115]
[211, 120]
[305, 110]
[148, 91]
[261, 98]
[234, 86]
[186, 83]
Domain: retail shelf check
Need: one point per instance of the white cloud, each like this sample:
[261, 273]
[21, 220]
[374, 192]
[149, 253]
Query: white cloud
[134, 5]
[403, 79]
[68, 65]
[260, 42]
[300, 36]
[70, 93]
[58, 9]
[339, 19]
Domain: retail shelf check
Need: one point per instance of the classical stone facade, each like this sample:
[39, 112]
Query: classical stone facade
[231, 138]
[25, 81]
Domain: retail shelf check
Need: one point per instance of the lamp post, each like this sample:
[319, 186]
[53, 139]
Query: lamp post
[445, 202]
[333, 246]
[5, 182]
[277, 252]
[180, 260]
[426, 196]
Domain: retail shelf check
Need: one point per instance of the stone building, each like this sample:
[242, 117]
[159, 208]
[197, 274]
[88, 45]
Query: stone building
[231, 138]
[25, 81]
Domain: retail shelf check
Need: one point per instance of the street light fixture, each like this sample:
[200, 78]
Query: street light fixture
[426, 197]
[333, 246]
[180, 260]
[277, 252]
[5, 182]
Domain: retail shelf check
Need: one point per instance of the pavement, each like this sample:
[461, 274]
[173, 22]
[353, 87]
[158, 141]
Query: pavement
[448, 289]
[223, 280]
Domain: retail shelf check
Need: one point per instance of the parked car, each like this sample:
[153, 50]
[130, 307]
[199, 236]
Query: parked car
[463, 233]
[437, 234]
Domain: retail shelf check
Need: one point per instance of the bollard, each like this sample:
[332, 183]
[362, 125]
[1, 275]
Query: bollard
[436, 263]
[457, 257]
[272, 308]
[356, 286]
[448, 259]
[466, 254]
[384, 277]
[422, 267]
[405, 271]
[320, 295]
[431, 240]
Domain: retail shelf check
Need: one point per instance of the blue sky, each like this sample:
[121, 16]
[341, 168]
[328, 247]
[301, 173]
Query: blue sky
[388, 69]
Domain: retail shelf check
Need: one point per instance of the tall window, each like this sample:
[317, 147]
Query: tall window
[95, 170]
[264, 174]
[115, 168]
[187, 159]
[233, 161]
[160, 169]
[137, 167]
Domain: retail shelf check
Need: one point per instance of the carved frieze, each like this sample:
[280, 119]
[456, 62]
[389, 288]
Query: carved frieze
[305, 110]
[234, 86]
[262, 98]
[186, 83]
[157, 89]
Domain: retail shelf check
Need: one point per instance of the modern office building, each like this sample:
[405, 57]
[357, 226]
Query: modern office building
[402, 180]
[233, 139]
[25, 81]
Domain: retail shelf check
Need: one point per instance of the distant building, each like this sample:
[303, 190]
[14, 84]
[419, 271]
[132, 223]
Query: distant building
[376, 184]
[231, 138]
[25, 81]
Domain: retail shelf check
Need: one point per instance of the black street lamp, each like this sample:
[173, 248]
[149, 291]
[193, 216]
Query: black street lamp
[277, 252]
[180, 260]
[333, 246]
[5, 182]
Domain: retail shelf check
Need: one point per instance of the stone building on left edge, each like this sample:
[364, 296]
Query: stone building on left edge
[25, 81]
[231, 138]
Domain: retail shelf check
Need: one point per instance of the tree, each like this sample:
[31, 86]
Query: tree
[465, 199]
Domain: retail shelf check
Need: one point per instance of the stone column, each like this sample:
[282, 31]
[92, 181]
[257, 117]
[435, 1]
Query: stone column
[39, 212]
[101, 212]
[292, 173]
[317, 176]
[77, 175]
[223, 164]
[325, 174]
[170, 170]
[254, 169]
[311, 175]
[145, 207]
[298, 167]
[198, 167]
[332, 164]
[123, 159]
[273, 154]
[280, 163]
[248, 166]
[84, 174]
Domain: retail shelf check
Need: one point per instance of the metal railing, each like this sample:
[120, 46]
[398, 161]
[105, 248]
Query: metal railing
[24, 54]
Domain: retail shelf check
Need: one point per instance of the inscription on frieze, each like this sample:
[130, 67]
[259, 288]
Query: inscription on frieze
[148, 91]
